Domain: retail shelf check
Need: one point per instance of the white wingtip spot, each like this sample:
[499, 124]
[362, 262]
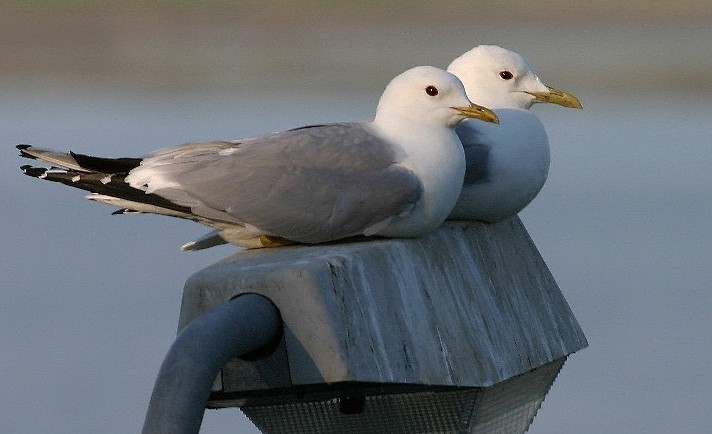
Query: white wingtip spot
[226, 152]
[106, 179]
[188, 246]
[76, 178]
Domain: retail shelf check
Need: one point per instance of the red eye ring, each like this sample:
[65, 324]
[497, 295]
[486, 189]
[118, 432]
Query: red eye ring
[431, 90]
[507, 75]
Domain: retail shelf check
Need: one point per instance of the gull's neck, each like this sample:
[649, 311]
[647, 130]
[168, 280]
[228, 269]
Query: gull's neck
[435, 154]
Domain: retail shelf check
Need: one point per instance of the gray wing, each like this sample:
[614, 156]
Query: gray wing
[310, 185]
[476, 153]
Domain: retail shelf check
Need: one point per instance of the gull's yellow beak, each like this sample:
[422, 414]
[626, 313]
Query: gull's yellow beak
[478, 112]
[556, 96]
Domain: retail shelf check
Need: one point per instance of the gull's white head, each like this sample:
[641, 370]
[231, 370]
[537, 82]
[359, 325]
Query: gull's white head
[500, 78]
[429, 95]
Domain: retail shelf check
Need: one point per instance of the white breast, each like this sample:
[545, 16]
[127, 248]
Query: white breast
[435, 155]
[517, 167]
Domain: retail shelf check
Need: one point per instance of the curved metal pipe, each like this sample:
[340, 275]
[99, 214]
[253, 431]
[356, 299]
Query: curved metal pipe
[241, 326]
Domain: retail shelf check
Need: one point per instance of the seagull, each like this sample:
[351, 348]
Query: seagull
[506, 165]
[396, 176]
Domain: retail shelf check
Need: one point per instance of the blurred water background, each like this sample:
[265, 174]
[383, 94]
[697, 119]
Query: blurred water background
[90, 301]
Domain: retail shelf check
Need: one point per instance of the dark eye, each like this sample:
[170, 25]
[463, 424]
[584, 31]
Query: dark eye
[431, 90]
[506, 75]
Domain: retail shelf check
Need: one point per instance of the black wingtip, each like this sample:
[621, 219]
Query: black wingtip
[35, 172]
[123, 211]
[23, 151]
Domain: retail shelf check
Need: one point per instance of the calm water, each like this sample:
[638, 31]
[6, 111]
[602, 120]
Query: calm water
[90, 300]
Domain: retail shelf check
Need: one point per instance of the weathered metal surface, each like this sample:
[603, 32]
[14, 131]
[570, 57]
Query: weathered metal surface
[467, 305]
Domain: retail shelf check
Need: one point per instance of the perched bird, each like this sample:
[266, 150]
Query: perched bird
[507, 164]
[397, 176]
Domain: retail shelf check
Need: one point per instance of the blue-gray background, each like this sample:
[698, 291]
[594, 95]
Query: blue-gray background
[90, 301]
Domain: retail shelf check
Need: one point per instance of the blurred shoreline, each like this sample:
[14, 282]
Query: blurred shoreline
[169, 47]
[359, 12]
